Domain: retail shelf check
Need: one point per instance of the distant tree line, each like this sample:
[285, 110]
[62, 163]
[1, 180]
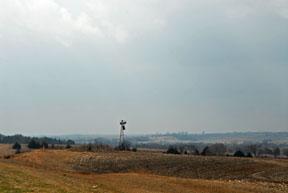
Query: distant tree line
[232, 135]
[220, 149]
[25, 140]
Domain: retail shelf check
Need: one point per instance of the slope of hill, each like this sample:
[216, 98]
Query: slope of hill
[67, 171]
[197, 167]
[20, 178]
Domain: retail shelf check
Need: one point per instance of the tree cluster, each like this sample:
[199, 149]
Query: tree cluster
[25, 140]
[220, 149]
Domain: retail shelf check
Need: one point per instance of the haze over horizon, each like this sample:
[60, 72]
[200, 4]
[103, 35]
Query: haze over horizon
[69, 66]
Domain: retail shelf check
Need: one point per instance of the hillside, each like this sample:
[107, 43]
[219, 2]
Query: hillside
[17, 178]
[67, 171]
[196, 167]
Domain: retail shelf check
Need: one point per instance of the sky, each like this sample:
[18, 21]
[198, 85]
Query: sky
[79, 67]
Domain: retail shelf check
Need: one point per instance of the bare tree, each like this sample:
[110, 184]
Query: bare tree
[276, 151]
[253, 148]
[219, 149]
[196, 152]
[181, 149]
[44, 145]
[285, 152]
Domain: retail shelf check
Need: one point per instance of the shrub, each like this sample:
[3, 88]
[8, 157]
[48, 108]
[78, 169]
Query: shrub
[89, 147]
[196, 152]
[33, 144]
[206, 151]
[16, 146]
[173, 150]
[124, 146]
[253, 148]
[239, 154]
[249, 155]
[68, 146]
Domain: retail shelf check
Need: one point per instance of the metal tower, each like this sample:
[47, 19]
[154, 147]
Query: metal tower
[121, 140]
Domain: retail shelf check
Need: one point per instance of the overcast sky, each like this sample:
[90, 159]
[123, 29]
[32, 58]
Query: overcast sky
[70, 66]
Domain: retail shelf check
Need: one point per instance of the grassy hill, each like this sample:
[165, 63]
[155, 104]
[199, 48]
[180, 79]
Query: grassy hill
[67, 171]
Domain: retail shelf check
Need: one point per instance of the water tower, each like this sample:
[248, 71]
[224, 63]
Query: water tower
[121, 140]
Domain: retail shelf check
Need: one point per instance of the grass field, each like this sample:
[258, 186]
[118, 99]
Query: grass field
[67, 171]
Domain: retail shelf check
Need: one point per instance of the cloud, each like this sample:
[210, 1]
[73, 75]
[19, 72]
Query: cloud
[83, 23]
[121, 36]
[178, 57]
[45, 16]
[98, 19]
[159, 22]
[239, 12]
[65, 43]
[280, 7]
[119, 21]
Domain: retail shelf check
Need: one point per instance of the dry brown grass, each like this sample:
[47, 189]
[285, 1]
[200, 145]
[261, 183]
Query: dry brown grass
[19, 178]
[150, 172]
[95, 147]
[197, 167]
[7, 151]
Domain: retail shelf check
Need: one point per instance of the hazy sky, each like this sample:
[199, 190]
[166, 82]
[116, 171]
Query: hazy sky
[70, 66]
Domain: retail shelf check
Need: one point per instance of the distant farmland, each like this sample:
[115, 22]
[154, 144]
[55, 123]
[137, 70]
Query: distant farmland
[184, 137]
